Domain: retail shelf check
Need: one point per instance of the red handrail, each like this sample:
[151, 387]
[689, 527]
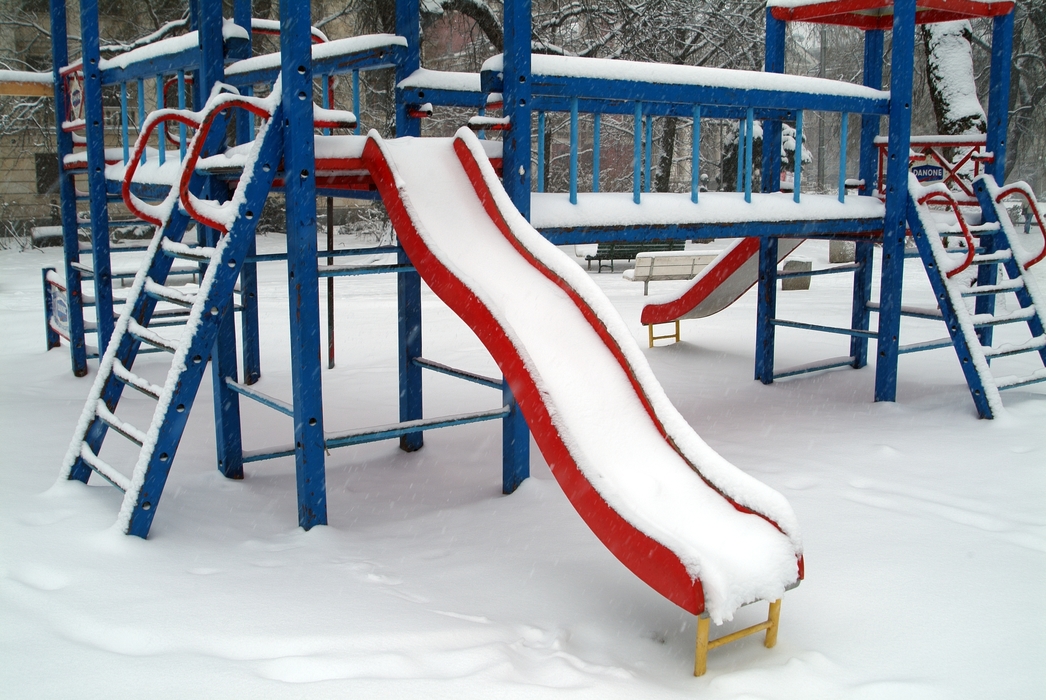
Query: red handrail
[1022, 189]
[939, 196]
[139, 147]
[187, 199]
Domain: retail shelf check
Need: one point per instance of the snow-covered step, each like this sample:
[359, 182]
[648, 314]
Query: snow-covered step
[126, 429]
[1013, 382]
[136, 382]
[198, 253]
[989, 258]
[1004, 286]
[985, 320]
[150, 337]
[1008, 349]
[104, 470]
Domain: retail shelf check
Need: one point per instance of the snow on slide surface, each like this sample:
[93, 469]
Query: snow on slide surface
[719, 285]
[694, 527]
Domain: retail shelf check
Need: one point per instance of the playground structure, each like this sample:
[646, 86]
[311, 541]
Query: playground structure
[221, 187]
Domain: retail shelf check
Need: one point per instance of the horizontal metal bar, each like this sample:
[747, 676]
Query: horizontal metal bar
[815, 367]
[1034, 379]
[264, 399]
[459, 373]
[395, 430]
[854, 332]
[926, 345]
[927, 313]
[259, 456]
[325, 271]
[339, 253]
[814, 273]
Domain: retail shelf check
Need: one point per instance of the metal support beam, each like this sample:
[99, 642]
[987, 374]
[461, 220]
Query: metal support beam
[766, 310]
[516, 160]
[774, 62]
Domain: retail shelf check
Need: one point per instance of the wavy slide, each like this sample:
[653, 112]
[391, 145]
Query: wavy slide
[719, 285]
[698, 530]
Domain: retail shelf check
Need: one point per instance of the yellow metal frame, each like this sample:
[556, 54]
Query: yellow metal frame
[650, 329]
[771, 626]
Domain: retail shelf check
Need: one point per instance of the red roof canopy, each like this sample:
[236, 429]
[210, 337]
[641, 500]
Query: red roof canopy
[878, 14]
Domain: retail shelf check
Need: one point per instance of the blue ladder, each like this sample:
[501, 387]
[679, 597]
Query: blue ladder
[976, 279]
[144, 483]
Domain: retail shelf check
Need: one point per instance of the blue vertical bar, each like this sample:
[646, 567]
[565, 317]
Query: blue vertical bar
[695, 156]
[740, 156]
[797, 164]
[541, 152]
[356, 100]
[67, 192]
[181, 105]
[515, 444]
[596, 119]
[141, 110]
[516, 157]
[749, 136]
[637, 154]
[862, 282]
[161, 142]
[125, 134]
[408, 287]
[999, 94]
[892, 275]
[95, 126]
[303, 279]
[773, 62]
[844, 128]
[766, 310]
[648, 152]
[250, 332]
[573, 150]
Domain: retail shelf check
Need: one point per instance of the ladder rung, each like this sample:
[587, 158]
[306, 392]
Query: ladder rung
[1015, 382]
[996, 257]
[985, 320]
[1030, 345]
[146, 335]
[104, 470]
[135, 382]
[126, 429]
[161, 293]
[187, 252]
[1005, 286]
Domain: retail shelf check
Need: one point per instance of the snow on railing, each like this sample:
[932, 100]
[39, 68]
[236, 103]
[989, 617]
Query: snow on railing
[939, 194]
[1024, 190]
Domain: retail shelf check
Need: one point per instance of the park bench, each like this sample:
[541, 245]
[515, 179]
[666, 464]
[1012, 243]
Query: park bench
[628, 251]
[669, 265]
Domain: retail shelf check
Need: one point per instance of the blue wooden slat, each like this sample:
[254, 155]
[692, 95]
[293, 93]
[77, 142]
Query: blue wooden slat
[738, 180]
[596, 123]
[181, 105]
[141, 111]
[797, 166]
[844, 126]
[541, 152]
[695, 156]
[637, 153]
[356, 100]
[573, 152]
[161, 142]
[648, 152]
[829, 228]
[749, 136]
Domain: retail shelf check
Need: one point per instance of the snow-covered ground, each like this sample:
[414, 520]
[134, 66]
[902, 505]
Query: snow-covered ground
[924, 530]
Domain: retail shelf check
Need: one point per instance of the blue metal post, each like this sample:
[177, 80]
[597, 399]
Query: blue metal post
[303, 278]
[766, 310]
[124, 124]
[637, 154]
[67, 191]
[999, 94]
[844, 135]
[749, 135]
[95, 127]
[161, 142]
[141, 111]
[50, 335]
[648, 152]
[515, 444]
[356, 100]
[250, 335]
[797, 167]
[181, 105]
[740, 156]
[773, 62]
[573, 150]
[862, 289]
[408, 26]
[516, 157]
[695, 156]
[541, 152]
[596, 119]
[892, 278]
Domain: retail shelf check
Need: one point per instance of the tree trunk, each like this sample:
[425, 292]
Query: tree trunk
[949, 72]
[663, 179]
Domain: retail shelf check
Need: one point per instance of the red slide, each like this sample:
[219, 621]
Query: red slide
[698, 530]
[719, 285]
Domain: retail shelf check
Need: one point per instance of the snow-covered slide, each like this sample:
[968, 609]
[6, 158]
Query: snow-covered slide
[719, 285]
[698, 530]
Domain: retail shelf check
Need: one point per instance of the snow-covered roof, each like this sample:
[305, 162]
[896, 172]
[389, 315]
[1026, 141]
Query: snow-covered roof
[878, 14]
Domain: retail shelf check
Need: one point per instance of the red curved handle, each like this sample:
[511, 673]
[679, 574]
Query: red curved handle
[938, 197]
[193, 156]
[132, 166]
[1023, 190]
